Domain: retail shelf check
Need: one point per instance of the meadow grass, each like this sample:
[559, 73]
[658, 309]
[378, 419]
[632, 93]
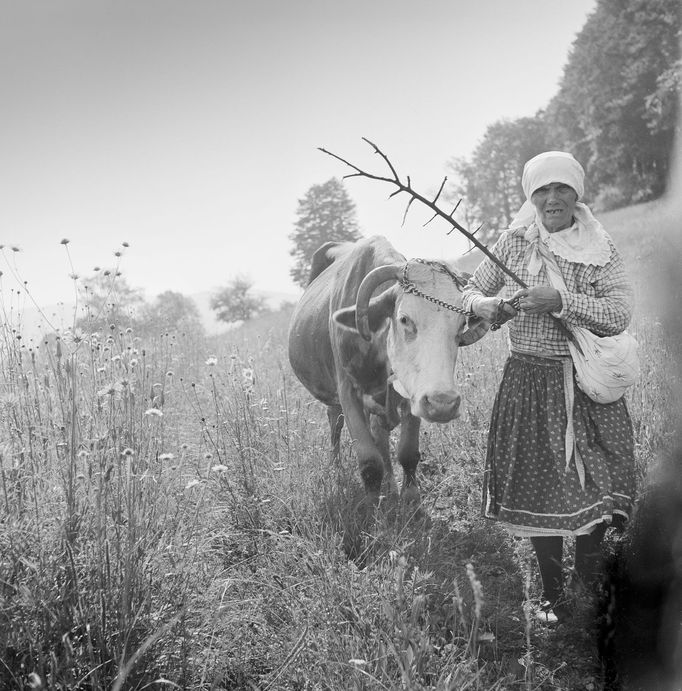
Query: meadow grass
[170, 518]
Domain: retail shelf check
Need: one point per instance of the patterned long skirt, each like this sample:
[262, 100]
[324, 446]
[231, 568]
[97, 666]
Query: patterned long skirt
[530, 486]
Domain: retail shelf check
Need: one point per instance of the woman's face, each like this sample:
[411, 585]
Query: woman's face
[555, 203]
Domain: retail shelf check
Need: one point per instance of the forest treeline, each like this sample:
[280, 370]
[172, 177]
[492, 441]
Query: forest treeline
[615, 110]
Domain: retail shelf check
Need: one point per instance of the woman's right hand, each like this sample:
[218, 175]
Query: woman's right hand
[493, 309]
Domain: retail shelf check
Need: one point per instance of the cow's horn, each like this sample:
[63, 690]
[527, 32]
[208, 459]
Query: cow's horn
[382, 274]
[476, 329]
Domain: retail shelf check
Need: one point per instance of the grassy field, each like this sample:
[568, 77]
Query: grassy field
[169, 518]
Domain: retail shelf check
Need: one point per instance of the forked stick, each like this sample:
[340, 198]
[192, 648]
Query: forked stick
[429, 203]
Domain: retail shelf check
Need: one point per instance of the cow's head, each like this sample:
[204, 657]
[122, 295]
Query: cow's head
[423, 335]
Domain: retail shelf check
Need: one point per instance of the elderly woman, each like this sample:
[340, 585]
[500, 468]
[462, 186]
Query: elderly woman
[548, 475]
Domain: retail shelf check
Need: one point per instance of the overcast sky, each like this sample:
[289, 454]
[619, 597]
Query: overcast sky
[189, 129]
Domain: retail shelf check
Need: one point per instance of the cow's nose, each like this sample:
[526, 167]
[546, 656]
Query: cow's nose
[441, 407]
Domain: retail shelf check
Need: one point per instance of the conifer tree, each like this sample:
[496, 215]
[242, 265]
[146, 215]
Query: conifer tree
[325, 213]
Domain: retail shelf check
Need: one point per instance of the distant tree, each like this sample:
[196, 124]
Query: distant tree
[107, 299]
[171, 311]
[490, 181]
[235, 302]
[325, 213]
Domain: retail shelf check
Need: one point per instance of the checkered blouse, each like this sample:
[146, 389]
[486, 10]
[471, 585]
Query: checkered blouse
[597, 297]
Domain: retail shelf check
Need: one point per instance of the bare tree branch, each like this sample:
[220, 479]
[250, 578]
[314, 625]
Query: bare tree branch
[414, 195]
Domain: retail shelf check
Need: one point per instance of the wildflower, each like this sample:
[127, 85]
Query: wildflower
[64, 241]
[208, 455]
[133, 362]
[357, 662]
[166, 457]
[129, 330]
[169, 373]
[192, 483]
[96, 268]
[15, 249]
[117, 253]
[248, 379]
[219, 468]
[153, 412]
[83, 453]
[34, 681]
[127, 452]
[74, 277]
[184, 446]
[116, 358]
[110, 390]
[212, 361]
[125, 244]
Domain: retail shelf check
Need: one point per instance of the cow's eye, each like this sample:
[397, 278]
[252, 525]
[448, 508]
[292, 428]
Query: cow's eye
[409, 328]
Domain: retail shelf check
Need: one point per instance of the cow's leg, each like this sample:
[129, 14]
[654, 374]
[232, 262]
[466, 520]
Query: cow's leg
[381, 436]
[335, 417]
[408, 453]
[369, 457]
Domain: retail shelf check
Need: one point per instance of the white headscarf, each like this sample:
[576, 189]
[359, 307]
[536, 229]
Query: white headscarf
[586, 241]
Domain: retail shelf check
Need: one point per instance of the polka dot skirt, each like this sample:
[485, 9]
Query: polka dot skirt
[527, 486]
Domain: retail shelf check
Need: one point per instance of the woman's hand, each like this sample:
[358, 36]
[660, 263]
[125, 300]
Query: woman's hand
[538, 300]
[494, 310]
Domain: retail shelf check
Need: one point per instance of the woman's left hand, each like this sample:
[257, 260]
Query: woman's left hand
[538, 300]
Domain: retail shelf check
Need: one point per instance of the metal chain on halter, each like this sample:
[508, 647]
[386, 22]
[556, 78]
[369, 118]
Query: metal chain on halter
[410, 287]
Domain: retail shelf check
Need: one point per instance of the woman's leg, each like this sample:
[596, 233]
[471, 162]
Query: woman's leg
[588, 556]
[549, 551]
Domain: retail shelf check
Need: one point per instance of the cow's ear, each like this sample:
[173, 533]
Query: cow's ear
[380, 309]
[345, 317]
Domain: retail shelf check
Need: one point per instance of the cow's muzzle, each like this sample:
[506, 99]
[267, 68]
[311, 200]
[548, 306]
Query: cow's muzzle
[439, 407]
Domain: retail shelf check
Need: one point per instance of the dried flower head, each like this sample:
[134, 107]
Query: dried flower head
[64, 241]
[127, 452]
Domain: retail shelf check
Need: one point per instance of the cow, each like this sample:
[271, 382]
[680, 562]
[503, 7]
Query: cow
[377, 362]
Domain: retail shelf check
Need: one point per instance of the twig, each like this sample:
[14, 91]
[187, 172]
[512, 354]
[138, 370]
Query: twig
[408, 189]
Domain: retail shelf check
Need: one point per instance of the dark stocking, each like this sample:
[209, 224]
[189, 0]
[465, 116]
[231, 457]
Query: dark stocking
[548, 551]
[588, 556]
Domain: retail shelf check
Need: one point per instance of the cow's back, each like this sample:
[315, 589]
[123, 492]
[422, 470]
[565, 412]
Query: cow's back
[314, 340]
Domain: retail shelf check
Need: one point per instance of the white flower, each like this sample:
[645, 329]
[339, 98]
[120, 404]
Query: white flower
[212, 361]
[153, 412]
[219, 468]
[166, 457]
[192, 483]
